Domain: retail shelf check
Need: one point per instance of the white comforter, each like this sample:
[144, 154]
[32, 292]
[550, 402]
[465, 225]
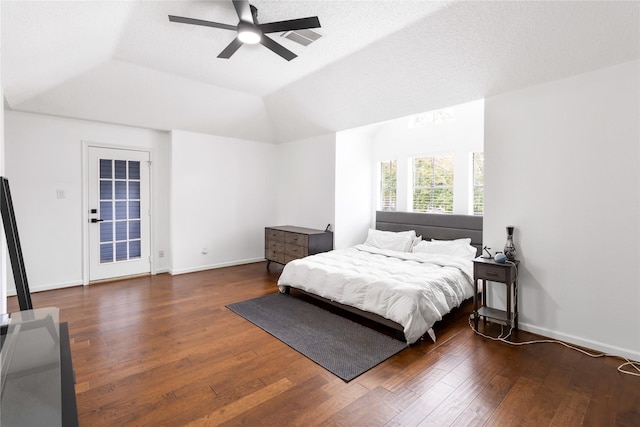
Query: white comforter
[414, 290]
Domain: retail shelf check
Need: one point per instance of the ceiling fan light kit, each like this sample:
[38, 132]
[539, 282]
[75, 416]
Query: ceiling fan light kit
[250, 31]
[248, 34]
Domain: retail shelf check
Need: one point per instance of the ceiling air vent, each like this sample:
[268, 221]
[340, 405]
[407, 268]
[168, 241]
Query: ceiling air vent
[304, 37]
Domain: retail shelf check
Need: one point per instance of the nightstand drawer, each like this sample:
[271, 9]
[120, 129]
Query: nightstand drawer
[494, 273]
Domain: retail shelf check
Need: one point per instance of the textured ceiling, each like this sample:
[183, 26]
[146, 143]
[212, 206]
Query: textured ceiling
[124, 62]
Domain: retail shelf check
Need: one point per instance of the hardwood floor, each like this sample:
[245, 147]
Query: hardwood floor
[165, 351]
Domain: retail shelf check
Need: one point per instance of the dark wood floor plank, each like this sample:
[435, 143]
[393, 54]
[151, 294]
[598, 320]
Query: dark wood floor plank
[165, 350]
[468, 389]
[375, 408]
[421, 407]
[516, 404]
[571, 410]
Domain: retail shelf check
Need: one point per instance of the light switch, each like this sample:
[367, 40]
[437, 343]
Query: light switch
[60, 193]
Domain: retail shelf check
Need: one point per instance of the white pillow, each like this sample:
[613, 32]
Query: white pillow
[448, 248]
[466, 240]
[400, 241]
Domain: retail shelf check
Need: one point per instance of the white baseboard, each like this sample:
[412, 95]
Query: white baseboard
[213, 266]
[582, 342]
[47, 287]
[52, 286]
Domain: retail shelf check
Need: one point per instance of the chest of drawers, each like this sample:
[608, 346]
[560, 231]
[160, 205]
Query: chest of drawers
[286, 243]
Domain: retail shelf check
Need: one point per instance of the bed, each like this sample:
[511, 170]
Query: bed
[405, 291]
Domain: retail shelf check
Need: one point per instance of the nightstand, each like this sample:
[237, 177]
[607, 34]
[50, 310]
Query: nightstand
[488, 270]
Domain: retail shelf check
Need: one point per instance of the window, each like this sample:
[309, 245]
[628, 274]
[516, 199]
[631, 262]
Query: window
[388, 173]
[433, 184]
[478, 183]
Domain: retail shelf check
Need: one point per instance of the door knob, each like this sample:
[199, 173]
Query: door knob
[94, 220]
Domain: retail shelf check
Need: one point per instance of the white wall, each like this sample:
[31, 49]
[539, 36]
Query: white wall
[44, 154]
[355, 178]
[3, 242]
[305, 173]
[562, 165]
[462, 136]
[222, 196]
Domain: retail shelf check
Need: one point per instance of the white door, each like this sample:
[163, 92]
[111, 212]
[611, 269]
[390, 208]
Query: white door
[118, 197]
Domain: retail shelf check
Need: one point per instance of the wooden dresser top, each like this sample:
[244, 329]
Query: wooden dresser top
[293, 229]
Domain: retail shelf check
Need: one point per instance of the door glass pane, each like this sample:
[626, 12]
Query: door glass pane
[134, 249]
[134, 210]
[105, 168]
[121, 210]
[121, 251]
[106, 253]
[121, 230]
[121, 190]
[121, 169]
[134, 170]
[106, 231]
[134, 229]
[105, 190]
[134, 189]
[106, 211]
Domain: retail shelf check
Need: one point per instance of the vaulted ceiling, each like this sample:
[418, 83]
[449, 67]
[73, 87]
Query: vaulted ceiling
[125, 63]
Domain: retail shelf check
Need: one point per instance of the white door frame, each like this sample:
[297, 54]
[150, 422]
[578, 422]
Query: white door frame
[85, 203]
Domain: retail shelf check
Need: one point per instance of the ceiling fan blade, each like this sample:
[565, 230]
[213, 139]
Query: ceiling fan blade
[243, 9]
[192, 21]
[230, 49]
[277, 48]
[292, 24]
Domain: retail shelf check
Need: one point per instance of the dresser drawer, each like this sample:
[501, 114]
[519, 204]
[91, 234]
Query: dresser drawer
[295, 251]
[290, 257]
[274, 255]
[272, 235]
[274, 245]
[296, 239]
[491, 272]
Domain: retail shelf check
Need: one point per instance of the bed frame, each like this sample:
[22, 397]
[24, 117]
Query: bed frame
[429, 226]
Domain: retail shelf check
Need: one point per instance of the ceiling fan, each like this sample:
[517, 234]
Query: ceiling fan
[250, 31]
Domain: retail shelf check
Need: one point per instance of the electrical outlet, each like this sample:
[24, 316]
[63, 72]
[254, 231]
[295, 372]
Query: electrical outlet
[204, 251]
[60, 193]
[161, 254]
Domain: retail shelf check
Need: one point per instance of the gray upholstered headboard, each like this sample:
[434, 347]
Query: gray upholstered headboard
[433, 226]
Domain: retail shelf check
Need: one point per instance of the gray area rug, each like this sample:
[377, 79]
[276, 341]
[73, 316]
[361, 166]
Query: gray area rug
[343, 347]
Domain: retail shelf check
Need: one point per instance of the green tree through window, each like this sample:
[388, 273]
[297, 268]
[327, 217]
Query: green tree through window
[478, 183]
[388, 185]
[433, 184]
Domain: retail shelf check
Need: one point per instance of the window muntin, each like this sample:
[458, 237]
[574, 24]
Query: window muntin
[433, 184]
[388, 180]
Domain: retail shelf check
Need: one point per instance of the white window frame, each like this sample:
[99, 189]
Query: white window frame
[432, 187]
